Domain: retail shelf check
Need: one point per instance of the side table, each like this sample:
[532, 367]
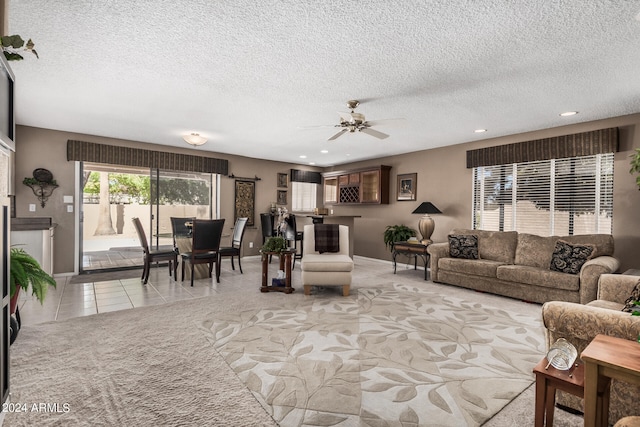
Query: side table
[605, 358]
[550, 379]
[285, 264]
[412, 249]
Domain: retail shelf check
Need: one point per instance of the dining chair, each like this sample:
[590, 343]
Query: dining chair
[205, 235]
[179, 228]
[291, 234]
[267, 225]
[236, 243]
[151, 255]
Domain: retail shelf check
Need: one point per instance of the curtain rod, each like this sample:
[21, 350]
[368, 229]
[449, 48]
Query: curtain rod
[255, 178]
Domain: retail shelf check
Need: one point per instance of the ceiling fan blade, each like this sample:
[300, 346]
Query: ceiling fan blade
[337, 135]
[375, 133]
[385, 122]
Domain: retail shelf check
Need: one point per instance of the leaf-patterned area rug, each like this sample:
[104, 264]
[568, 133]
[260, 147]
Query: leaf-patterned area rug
[398, 356]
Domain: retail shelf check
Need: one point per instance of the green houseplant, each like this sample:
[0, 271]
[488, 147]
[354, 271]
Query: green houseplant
[13, 45]
[397, 233]
[24, 271]
[274, 244]
[635, 166]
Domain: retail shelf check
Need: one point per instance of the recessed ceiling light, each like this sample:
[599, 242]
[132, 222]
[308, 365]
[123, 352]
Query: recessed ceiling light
[480, 130]
[324, 151]
[312, 163]
[568, 113]
[348, 154]
[303, 157]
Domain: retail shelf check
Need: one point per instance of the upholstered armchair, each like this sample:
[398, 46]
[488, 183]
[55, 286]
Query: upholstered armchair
[327, 268]
[579, 324]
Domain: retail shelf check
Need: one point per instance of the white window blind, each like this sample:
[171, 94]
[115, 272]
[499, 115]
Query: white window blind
[303, 196]
[551, 197]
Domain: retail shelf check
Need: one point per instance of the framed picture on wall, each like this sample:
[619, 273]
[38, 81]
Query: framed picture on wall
[407, 186]
[282, 180]
[282, 197]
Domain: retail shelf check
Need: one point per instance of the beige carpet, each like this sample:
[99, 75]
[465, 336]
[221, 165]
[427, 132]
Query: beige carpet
[162, 365]
[384, 356]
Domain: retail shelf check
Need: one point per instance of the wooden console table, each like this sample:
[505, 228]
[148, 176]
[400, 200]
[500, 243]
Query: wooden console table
[606, 358]
[412, 249]
[285, 265]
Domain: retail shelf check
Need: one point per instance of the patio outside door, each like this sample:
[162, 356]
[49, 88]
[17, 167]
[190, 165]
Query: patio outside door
[183, 195]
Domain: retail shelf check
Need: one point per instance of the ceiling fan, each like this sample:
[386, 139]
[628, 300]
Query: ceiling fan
[352, 122]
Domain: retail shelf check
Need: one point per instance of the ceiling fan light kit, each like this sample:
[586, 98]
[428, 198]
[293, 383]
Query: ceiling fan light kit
[352, 122]
[194, 139]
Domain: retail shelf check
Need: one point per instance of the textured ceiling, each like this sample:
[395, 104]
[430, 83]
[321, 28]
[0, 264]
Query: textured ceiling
[248, 74]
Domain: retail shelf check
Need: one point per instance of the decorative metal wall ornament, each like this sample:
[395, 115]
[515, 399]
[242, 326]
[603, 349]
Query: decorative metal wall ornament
[42, 184]
[245, 200]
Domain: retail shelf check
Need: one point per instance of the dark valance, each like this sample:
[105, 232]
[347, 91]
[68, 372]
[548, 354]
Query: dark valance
[306, 176]
[126, 156]
[576, 145]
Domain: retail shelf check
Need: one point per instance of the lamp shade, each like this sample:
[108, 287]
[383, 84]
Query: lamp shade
[426, 208]
[194, 139]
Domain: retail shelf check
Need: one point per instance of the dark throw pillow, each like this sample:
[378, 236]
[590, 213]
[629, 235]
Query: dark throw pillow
[463, 246]
[629, 305]
[569, 258]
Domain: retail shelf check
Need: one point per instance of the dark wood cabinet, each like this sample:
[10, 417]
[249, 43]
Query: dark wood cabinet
[358, 186]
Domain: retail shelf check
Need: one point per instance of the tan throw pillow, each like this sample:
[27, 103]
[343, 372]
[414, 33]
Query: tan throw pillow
[463, 246]
[569, 258]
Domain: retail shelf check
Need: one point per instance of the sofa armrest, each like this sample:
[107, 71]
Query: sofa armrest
[616, 287]
[590, 274]
[437, 251]
[579, 324]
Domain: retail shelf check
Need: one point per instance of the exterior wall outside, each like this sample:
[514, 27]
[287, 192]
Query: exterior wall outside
[443, 179]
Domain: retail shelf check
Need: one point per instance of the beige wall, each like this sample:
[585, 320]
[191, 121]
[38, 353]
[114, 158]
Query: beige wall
[44, 148]
[442, 179]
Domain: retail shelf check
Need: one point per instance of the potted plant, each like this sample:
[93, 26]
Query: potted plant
[13, 45]
[397, 233]
[274, 244]
[24, 271]
[635, 166]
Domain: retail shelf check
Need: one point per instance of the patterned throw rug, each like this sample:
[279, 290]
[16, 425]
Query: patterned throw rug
[395, 356]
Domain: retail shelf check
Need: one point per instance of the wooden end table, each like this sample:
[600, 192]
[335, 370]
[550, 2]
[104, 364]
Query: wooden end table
[412, 250]
[606, 358]
[550, 379]
[285, 264]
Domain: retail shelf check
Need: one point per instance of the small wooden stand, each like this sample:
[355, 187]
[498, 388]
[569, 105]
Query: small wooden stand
[412, 249]
[550, 379]
[285, 264]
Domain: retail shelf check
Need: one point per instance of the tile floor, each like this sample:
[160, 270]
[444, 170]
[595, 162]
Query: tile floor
[89, 294]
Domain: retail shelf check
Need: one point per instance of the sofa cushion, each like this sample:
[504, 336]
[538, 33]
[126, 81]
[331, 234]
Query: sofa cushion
[569, 258]
[538, 277]
[535, 251]
[610, 305]
[463, 246]
[476, 267]
[327, 262]
[494, 245]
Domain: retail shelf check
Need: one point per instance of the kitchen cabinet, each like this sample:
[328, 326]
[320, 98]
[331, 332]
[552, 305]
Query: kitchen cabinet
[359, 186]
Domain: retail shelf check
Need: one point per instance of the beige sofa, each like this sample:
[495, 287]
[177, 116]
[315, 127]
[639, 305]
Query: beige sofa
[517, 265]
[579, 324]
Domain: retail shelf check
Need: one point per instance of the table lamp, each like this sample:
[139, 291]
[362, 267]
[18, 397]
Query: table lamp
[426, 225]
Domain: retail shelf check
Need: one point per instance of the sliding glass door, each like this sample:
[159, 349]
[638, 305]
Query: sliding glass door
[183, 195]
[113, 195]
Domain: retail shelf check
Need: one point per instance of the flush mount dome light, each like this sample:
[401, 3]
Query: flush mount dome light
[194, 139]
